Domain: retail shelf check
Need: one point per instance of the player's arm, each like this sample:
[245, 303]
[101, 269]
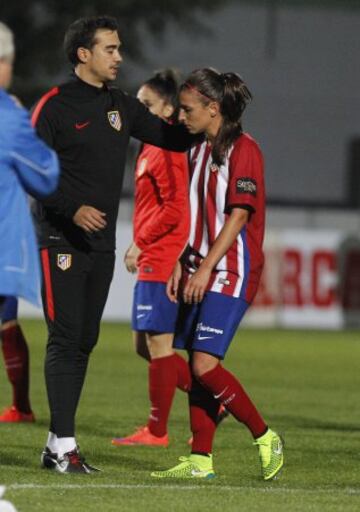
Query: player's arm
[172, 286]
[196, 286]
[170, 175]
[152, 130]
[131, 257]
[246, 167]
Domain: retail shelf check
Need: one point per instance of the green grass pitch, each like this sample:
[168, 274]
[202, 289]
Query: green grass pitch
[306, 384]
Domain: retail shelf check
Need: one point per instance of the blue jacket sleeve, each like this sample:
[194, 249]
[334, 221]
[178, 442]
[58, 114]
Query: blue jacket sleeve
[35, 163]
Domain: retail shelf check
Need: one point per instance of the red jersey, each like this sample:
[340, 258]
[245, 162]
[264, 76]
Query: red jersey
[214, 191]
[162, 212]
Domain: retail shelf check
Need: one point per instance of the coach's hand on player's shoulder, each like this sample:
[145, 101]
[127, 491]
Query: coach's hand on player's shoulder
[131, 257]
[90, 219]
[172, 286]
[196, 286]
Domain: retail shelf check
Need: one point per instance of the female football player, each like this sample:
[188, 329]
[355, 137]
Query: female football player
[16, 358]
[161, 230]
[222, 265]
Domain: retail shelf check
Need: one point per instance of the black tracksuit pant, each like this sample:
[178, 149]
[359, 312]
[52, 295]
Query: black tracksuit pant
[75, 288]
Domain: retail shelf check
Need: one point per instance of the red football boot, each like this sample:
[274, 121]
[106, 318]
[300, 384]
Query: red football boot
[141, 437]
[13, 415]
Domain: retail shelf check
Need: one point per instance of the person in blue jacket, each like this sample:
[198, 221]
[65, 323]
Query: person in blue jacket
[27, 166]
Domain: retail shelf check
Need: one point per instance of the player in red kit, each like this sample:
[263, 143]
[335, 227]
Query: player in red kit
[16, 358]
[161, 230]
[222, 265]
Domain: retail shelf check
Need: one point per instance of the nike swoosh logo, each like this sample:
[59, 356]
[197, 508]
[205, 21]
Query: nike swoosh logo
[220, 394]
[61, 467]
[205, 337]
[279, 449]
[80, 126]
[197, 473]
[140, 316]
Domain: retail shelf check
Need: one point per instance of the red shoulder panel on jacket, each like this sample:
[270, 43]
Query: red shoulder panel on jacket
[35, 115]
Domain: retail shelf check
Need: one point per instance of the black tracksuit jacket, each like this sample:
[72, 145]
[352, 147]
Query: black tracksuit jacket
[90, 128]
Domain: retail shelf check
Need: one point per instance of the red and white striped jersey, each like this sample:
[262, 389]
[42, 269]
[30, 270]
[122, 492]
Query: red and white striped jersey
[214, 191]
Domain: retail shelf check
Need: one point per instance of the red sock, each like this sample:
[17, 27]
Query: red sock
[162, 385]
[16, 356]
[222, 384]
[203, 414]
[183, 373]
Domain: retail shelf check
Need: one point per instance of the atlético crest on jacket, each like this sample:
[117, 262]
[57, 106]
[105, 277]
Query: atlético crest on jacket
[115, 119]
[64, 261]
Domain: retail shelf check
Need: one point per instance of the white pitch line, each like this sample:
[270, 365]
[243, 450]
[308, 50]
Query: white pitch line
[348, 491]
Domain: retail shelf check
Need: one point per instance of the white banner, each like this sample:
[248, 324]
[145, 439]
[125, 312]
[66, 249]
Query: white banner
[311, 279]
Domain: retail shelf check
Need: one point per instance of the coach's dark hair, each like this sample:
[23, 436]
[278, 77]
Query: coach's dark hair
[232, 94]
[165, 83]
[81, 33]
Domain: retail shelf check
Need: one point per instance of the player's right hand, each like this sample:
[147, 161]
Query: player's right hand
[90, 219]
[172, 286]
[131, 258]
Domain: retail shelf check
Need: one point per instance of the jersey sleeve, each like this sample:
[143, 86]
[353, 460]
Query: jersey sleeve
[246, 172]
[45, 120]
[35, 163]
[152, 130]
[171, 178]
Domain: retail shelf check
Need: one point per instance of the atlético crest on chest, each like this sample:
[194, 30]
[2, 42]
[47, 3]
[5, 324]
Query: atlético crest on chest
[64, 261]
[115, 119]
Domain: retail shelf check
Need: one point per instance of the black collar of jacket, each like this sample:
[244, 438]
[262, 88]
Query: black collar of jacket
[87, 89]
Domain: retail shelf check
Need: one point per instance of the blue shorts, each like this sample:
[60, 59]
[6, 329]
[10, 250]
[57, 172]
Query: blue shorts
[10, 309]
[152, 310]
[210, 325]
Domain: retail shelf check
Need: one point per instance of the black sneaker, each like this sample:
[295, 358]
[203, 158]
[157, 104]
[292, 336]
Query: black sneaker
[48, 459]
[73, 462]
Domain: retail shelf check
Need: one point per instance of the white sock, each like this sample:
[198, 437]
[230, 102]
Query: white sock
[52, 442]
[65, 444]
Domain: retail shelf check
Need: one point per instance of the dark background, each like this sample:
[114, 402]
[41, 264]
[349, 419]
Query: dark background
[300, 59]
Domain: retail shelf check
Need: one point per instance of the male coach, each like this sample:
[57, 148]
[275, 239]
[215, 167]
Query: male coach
[89, 124]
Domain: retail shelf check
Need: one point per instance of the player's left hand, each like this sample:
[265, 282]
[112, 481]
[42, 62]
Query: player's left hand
[196, 286]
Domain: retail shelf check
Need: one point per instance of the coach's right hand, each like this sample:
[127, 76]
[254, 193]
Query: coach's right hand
[90, 219]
